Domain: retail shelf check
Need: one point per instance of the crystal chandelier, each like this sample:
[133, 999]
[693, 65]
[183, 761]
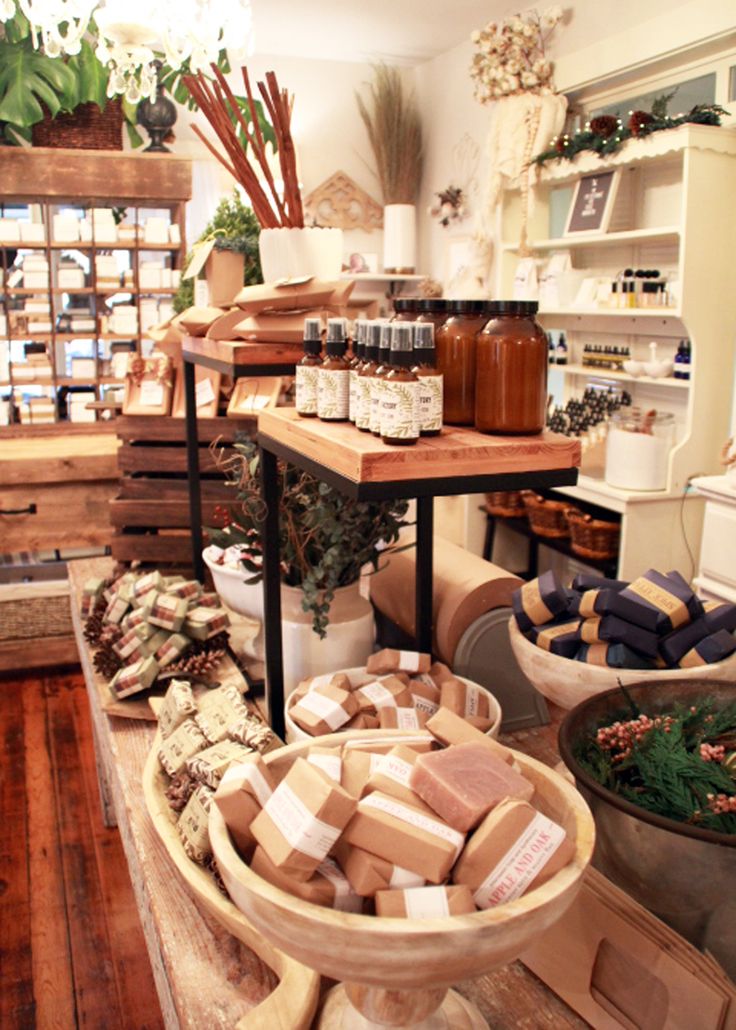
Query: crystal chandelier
[132, 33]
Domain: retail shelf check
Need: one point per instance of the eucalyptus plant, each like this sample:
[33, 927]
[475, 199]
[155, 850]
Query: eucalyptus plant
[325, 538]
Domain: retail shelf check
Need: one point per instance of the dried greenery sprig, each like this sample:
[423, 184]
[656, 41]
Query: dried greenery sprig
[326, 538]
[394, 127]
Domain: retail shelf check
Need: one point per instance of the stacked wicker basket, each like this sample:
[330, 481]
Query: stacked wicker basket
[590, 537]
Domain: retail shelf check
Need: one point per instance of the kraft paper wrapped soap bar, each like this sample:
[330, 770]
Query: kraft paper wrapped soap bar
[116, 609]
[357, 767]
[719, 615]
[669, 597]
[425, 695]
[178, 705]
[404, 835]
[675, 645]
[389, 660]
[425, 902]
[326, 679]
[363, 721]
[302, 820]
[585, 581]
[464, 698]
[171, 649]
[611, 629]
[463, 783]
[91, 591]
[539, 601]
[242, 792]
[203, 623]
[209, 766]
[328, 759]
[150, 581]
[561, 638]
[392, 774]
[218, 709]
[193, 825]
[615, 656]
[614, 602]
[438, 672]
[324, 710]
[387, 691]
[390, 718]
[189, 589]
[449, 728]
[514, 850]
[328, 886]
[368, 873]
[710, 649]
[186, 740]
[249, 730]
[168, 612]
[132, 679]
[131, 646]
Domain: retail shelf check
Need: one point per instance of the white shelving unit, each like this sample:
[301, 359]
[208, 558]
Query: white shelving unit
[675, 211]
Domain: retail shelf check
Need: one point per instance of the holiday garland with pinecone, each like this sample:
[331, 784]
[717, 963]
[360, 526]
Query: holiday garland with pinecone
[680, 765]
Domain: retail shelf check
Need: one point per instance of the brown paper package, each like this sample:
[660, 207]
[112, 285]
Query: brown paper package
[463, 698]
[356, 768]
[425, 688]
[369, 696]
[420, 902]
[304, 789]
[389, 660]
[363, 721]
[196, 321]
[313, 722]
[368, 873]
[402, 718]
[391, 776]
[404, 835]
[318, 888]
[450, 728]
[328, 759]
[238, 799]
[494, 838]
[288, 296]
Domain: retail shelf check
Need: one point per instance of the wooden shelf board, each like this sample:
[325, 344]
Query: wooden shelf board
[229, 354]
[381, 277]
[597, 491]
[610, 373]
[457, 452]
[664, 234]
[86, 290]
[612, 313]
[26, 291]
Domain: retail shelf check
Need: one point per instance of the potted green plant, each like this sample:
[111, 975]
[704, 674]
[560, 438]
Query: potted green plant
[326, 541]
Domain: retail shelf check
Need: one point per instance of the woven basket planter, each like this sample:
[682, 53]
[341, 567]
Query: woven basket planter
[86, 128]
[506, 504]
[593, 538]
[547, 518]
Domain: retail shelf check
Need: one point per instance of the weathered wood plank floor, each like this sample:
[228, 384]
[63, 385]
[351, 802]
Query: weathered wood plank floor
[72, 952]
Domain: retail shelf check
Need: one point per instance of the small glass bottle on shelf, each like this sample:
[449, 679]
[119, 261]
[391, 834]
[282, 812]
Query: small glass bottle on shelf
[430, 380]
[333, 376]
[365, 377]
[307, 369]
[400, 390]
[355, 364]
[382, 370]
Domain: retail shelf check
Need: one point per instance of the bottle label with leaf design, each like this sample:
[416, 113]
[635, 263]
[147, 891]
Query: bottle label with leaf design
[430, 403]
[306, 390]
[400, 410]
[333, 394]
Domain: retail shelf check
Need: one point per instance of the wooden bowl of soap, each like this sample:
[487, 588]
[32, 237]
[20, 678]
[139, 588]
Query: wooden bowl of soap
[397, 971]
[358, 678]
[567, 682]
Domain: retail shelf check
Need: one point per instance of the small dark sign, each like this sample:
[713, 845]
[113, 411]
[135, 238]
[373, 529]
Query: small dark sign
[592, 203]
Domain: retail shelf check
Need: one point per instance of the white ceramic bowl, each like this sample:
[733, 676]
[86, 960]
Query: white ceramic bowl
[634, 368]
[358, 677]
[244, 598]
[567, 682]
[658, 369]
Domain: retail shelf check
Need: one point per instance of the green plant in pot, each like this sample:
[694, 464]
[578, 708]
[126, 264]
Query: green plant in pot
[326, 538]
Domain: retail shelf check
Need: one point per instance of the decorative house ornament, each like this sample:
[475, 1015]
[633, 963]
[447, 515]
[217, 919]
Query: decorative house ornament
[510, 66]
[339, 203]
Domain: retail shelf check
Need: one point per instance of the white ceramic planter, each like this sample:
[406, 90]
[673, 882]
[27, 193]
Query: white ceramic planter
[288, 253]
[399, 238]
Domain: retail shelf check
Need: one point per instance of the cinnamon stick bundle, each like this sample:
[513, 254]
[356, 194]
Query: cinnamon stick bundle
[216, 101]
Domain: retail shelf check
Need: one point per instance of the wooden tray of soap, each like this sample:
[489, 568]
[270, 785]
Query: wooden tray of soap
[293, 1002]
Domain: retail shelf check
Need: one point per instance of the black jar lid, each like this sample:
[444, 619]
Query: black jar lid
[435, 305]
[468, 307]
[406, 304]
[511, 307]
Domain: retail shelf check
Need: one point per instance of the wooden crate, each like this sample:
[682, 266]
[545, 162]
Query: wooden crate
[150, 514]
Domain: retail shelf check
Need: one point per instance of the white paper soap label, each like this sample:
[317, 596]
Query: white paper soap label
[430, 403]
[400, 410]
[323, 680]
[151, 395]
[303, 830]
[306, 389]
[426, 902]
[403, 878]
[395, 768]
[378, 694]
[423, 704]
[325, 708]
[333, 394]
[330, 764]
[248, 772]
[406, 719]
[472, 699]
[414, 818]
[521, 864]
[204, 392]
[409, 661]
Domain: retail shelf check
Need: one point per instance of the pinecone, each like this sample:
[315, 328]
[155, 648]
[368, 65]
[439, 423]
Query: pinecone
[197, 664]
[95, 622]
[110, 634]
[211, 865]
[179, 791]
[106, 662]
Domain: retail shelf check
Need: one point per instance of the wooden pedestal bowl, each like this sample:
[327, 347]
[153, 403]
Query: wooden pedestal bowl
[396, 972]
[567, 682]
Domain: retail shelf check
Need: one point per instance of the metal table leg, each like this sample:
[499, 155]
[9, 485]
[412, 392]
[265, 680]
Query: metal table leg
[272, 591]
[424, 563]
[195, 490]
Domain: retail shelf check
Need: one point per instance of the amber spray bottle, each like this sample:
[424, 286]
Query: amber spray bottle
[430, 380]
[333, 376]
[384, 367]
[306, 370]
[400, 391]
[365, 376]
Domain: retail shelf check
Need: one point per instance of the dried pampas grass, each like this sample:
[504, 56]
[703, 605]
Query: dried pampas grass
[391, 118]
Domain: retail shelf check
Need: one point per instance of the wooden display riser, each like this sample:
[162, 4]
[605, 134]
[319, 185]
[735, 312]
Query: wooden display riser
[150, 514]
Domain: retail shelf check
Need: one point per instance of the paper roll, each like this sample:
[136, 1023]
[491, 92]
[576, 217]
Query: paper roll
[465, 587]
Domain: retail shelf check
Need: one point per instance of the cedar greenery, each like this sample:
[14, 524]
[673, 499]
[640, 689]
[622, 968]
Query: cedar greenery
[325, 537]
[394, 131]
[662, 769]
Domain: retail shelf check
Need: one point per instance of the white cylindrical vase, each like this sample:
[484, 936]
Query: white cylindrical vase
[399, 238]
[292, 253]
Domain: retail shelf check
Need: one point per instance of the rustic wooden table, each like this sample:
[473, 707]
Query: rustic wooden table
[204, 976]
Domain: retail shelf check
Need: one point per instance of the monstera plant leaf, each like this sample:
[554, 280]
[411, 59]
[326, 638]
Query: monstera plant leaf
[90, 85]
[29, 78]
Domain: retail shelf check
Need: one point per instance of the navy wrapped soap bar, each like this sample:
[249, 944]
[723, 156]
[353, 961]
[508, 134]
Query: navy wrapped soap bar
[676, 644]
[613, 602]
[720, 615]
[615, 656]
[587, 581]
[710, 649]
[670, 597]
[539, 601]
[612, 629]
[562, 638]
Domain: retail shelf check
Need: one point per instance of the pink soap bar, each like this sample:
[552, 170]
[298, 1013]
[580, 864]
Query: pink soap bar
[463, 783]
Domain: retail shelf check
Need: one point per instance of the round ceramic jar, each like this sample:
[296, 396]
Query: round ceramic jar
[511, 370]
[455, 341]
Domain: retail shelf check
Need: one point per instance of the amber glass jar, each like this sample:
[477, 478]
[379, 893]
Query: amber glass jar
[455, 344]
[433, 309]
[405, 309]
[511, 370]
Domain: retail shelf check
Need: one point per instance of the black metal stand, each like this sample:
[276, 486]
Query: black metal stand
[272, 592]
[195, 489]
